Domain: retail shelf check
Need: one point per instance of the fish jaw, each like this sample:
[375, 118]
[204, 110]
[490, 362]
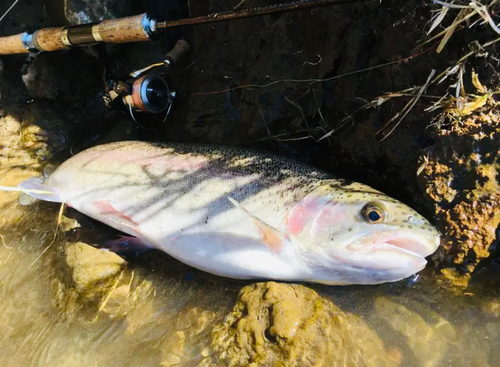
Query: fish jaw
[390, 256]
[340, 269]
[387, 257]
[410, 243]
[404, 243]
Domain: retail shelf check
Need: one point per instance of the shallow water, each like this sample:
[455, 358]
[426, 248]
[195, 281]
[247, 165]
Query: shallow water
[162, 312]
[159, 312]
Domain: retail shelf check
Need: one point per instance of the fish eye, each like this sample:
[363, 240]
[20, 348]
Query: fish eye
[373, 213]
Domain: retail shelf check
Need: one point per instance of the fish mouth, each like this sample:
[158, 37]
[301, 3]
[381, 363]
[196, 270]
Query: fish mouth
[411, 245]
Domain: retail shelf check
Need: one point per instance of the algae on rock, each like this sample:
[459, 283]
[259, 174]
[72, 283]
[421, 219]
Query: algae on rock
[290, 325]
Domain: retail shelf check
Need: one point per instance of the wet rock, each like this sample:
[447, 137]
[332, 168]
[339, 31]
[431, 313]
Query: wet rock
[35, 131]
[90, 278]
[87, 11]
[187, 344]
[461, 180]
[291, 325]
[493, 333]
[431, 339]
[92, 269]
[65, 77]
[492, 308]
[428, 341]
[96, 283]
[24, 16]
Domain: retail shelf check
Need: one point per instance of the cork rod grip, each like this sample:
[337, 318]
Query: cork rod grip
[50, 39]
[129, 29]
[12, 45]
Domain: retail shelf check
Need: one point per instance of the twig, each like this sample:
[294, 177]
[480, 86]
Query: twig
[450, 5]
[438, 19]
[108, 296]
[462, 59]
[407, 108]
[451, 29]
[295, 104]
[59, 220]
[4, 244]
[482, 10]
[239, 4]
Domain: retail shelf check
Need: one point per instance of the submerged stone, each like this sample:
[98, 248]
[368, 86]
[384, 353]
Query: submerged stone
[290, 325]
[99, 283]
[89, 279]
[91, 267]
[428, 341]
[186, 344]
[427, 336]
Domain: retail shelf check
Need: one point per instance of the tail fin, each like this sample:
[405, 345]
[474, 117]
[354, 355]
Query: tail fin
[34, 187]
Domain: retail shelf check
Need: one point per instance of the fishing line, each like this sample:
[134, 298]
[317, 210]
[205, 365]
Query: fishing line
[312, 81]
[8, 10]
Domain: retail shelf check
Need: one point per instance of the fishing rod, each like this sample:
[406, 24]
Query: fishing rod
[135, 28]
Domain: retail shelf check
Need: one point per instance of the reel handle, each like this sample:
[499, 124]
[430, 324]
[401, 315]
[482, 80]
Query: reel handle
[180, 49]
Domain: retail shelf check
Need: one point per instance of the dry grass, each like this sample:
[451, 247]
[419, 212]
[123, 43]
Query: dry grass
[471, 13]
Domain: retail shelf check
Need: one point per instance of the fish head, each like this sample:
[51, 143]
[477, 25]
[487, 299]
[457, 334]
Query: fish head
[353, 234]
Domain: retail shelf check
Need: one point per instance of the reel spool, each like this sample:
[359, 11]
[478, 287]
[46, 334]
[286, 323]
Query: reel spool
[151, 94]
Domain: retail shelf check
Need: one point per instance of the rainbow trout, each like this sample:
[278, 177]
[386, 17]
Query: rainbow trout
[243, 214]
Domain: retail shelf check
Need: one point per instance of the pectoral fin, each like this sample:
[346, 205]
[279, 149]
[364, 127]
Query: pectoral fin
[109, 212]
[269, 235]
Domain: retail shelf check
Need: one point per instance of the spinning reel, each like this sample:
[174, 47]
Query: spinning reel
[146, 90]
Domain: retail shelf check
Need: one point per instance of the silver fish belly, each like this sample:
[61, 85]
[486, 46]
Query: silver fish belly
[245, 214]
